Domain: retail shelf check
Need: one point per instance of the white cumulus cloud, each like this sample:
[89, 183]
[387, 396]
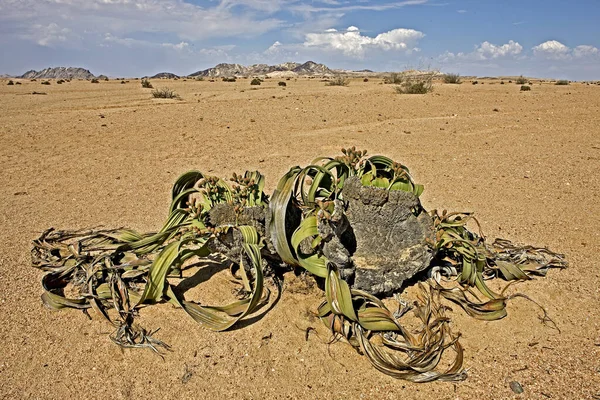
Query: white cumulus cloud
[177, 46]
[552, 49]
[489, 50]
[275, 48]
[555, 50]
[354, 44]
[49, 35]
[486, 51]
[585, 51]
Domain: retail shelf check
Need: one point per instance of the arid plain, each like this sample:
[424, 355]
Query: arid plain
[106, 154]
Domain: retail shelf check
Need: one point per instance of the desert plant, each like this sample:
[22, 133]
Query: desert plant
[95, 80]
[338, 80]
[10, 83]
[475, 82]
[502, 82]
[394, 79]
[123, 82]
[60, 81]
[525, 88]
[165, 93]
[255, 81]
[418, 83]
[199, 78]
[282, 84]
[562, 82]
[146, 84]
[521, 80]
[366, 80]
[124, 270]
[452, 78]
[33, 80]
[45, 82]
[18, 83]
[228, 79]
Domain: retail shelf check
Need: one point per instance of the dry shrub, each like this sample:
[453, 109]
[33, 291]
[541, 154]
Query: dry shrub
[452, 78]
[338, 81]
[418, 83]
[165, 93]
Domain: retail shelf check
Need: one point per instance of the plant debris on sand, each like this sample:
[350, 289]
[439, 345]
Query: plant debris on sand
[306, 223]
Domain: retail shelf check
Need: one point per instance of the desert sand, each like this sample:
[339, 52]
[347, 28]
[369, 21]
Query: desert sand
[106, 154]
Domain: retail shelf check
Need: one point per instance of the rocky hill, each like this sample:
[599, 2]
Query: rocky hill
[164, 75]
[308, 68]
[312, 68]
[59, 73]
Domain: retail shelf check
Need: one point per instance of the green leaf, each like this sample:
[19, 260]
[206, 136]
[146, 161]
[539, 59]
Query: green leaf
[278, 207]
[313, 263]
[157, 276]
[338, 295]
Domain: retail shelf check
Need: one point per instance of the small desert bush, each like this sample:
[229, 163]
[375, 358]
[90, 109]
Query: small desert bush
[10, 83]
[416, 84]
[60, 81]
[338, 81]
[164, 93]
[146, 84]
[199, 78]
[521, 80]
[281, 83]
[502, 82]
[95, 80]
[45, 82]
[256, 81]
[18, 83]
[394, 79]
[366, 80]
[562, 82]
[123, 82]
[229, 79]
[452, 78]
[33, 80]
[525, 88]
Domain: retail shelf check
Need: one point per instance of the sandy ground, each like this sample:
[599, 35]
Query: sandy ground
[107, 154]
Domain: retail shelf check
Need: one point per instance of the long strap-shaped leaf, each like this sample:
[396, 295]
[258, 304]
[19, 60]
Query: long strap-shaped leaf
[52, 283]
[212, 317]
[313, 263]
[278, 207]
[157, 276]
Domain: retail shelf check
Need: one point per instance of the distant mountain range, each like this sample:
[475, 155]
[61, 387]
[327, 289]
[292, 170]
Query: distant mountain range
[220, 70]
[290, 68]
[58, 73]
[164, 75]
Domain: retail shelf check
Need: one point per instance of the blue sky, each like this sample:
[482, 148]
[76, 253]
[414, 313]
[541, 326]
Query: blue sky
[552, 38]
